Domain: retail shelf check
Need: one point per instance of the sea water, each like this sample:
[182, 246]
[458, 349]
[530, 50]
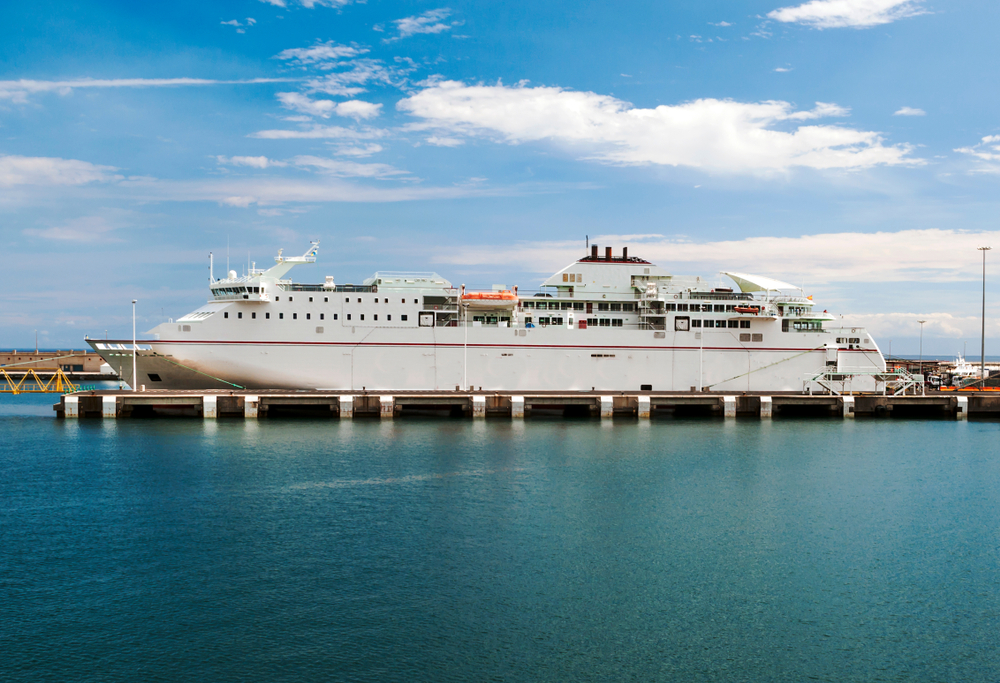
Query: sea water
[534, 550]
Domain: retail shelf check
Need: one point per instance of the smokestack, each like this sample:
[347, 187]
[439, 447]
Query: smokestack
[607, 253]
[593, 252]
[624, 253]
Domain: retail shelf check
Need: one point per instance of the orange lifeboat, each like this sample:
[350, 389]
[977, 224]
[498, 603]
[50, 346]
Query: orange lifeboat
[502, 299]
[755, 310]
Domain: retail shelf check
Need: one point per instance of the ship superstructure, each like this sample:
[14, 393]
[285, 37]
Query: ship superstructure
[606, 322]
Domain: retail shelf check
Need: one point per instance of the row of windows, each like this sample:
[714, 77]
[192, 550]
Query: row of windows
[728, 324]
[347, 300]
[322, 316]
[578, 306]
[236, 290]
[701, 308]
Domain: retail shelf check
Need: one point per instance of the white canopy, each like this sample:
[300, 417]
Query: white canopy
[756, 283]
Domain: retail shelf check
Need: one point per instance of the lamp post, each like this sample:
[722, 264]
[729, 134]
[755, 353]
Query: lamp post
[982, 348]
[922, 383]
[134, 388]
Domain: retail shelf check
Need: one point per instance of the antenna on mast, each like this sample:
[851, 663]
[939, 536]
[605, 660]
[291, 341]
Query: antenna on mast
[588, 243]
[211, 269]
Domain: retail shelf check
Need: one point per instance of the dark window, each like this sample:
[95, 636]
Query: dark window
[291, 299]
[602, 307]
[334, 316]
[720, 308]
[240, 315]
[375, 316]
[348, 316]
[253, 316]
[695, 323]
[744, 324]
[310, 299]
[347, 299]
[414, 301]
[153, 377]
[389, 318]
[733, 323]
[277, 298]
[308, 316]
[359, 299]
[682, 307]
[784, 326]
[628, 307]
[385, 301]
[226, 314]
[281, 316]
[267, 316]
[403, 317]
[617, 322]
[376, 299]
[326, 299]
[295, 316]
[744, 336]
[402, 301]
[321, 316]
[757, 337]
[362, 316]
[616, 307]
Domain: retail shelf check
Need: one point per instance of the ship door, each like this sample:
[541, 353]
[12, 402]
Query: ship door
[831, 355]
[426, 320]
[590, 308]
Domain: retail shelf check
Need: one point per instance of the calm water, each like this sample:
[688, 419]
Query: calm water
[542, 550]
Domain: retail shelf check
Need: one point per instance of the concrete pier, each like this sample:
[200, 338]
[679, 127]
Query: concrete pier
[261, 404]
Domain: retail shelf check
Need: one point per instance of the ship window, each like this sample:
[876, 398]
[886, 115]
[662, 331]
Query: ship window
[334, 316]
[729, 309]
[319, 330]
[557, 321]
[277, 298]
[402, 301]
[744, 324]
[226, 314]
[326, 299]
[529, 304]
[291, 299]
[281, 316]
[295, 316]
[784, 326]
[682, 307]
[348, 316]
[617, 322]
[682, 323]
[733, 324]
[577, 305]
[153, 377]
[347, 300]
[389, 318]
[720, 323]
[267, 316]
[322, 316]
[253, 316]
[565, 277]
[720, 308]
[628, 307]
[385, 301]
[375, 317]
[362, 316]
[376, 299]
[566, 305]
[359, 299]
[240, 315]
[616, 307]
[414, 301]
[403, 317]
[757, 337]
[695, 323]
[310, 299]
[308, 316]
[744, 336]
[854, 340]
[602, 307]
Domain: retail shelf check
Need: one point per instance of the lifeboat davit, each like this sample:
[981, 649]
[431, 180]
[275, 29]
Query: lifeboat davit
[492, 300]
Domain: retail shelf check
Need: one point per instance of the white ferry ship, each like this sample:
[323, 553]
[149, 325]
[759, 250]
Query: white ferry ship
[604, 322]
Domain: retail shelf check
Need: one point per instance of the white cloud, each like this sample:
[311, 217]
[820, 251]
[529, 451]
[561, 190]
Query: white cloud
[18, 91]
[309, 4]
[721, 23]
[782, 70]
[85, 229]
[848, 257]
[361, 73]
[710, 134]
[441, 141]
[431, 21]
[909, 111]
[347, 169]
[321, 52]
[848, 13]
[252, 162]
[319, 132]
[240, 28]
[355, 151]
[988, 149]
[18, 170]
[276, 3]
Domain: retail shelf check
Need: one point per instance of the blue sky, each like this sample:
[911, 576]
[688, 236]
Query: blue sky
[850, 146]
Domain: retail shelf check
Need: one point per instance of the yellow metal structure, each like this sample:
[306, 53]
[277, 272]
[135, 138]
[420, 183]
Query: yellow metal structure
[30, 383]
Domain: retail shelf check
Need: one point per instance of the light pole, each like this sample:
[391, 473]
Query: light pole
[133, 382]
[982, 349]
[922, 383]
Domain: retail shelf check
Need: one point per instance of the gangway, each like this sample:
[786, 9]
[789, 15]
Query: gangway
[888, 382]
[30, 382]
